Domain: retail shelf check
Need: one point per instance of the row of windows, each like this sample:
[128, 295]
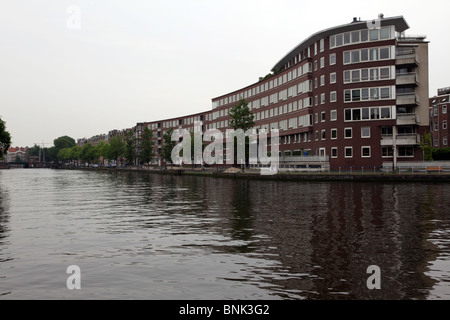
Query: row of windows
[435, 110]
[367, 74]
[444, 125]
[348, 133]
[358, 36]
[386, 152]
[366, 55]
[369, 94]
[372, 113]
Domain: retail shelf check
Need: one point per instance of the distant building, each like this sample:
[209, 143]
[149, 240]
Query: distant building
[13, 153]
[439, 120]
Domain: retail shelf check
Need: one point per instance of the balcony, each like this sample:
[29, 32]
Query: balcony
[407, 79]
[407, 99]
[407, 58]
[411, 139]
[406, 119]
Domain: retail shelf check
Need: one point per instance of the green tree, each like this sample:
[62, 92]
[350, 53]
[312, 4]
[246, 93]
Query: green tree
[168, 145]
[102, 150]
[88, 153]
[147, 146]
[116, 148]
[5, 139]
[427, 146]
[242, 118]
[130, 147]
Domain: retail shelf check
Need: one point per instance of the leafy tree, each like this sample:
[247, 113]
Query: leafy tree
[88, 153]
[427, 147]
[102, 150]
[116, 148]
[5, 139]
[241, 116]
[130, 147]
[64, 142]
[168, 145]
[147, 146]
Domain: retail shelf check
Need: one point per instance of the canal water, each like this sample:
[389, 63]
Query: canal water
[150, 236]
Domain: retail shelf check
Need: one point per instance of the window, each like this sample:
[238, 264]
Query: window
[333, 134]
[323, 134]
[322, 45]
[348, 133]
[365, 152]
[322, 81]
[444, 124]
[365, 132]
[333, 96]
[332, 59]
[387, 152]
[444, 109]
[333, 115]
[334, 152]
[322, 98]
[444, 141]
[364, 55]
[333, 77]
[405, 152]
[322, 62]
[322, 117]
[348, 152]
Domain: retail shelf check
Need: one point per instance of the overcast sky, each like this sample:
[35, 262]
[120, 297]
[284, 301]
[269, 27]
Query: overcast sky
[130, 61]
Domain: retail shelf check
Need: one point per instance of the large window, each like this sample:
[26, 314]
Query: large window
[369, 74]
[366, 55]
[359, 36]
[369, 113]
[405, 151]
[368, 94]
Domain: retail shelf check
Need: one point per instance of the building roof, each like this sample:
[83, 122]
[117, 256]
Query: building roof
[399, 22]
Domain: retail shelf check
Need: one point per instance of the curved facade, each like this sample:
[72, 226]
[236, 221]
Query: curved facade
[356, 95]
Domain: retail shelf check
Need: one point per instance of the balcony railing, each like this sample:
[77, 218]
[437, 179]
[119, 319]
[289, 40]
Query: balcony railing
[407, 79]
[407, 58]
[407, 99]
[406, 119]
[409, 139]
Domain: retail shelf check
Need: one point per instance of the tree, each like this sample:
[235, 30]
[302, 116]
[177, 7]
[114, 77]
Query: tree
[130, 147]
[5, 139]
[88, 153]
[427, 147]
[147, 146]
[242, 118]
[64, 142]
[168, 145]
[116, 148]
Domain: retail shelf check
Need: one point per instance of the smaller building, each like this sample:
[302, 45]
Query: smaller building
[439, 120]
[16, 154]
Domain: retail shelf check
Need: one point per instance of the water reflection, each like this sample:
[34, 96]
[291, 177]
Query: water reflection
[171, 237]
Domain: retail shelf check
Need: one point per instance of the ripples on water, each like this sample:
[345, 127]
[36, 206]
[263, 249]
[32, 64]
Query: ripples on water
[139, 236]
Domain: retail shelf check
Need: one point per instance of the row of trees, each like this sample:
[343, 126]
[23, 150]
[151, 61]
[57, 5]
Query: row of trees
[117, 148]
[5, 139]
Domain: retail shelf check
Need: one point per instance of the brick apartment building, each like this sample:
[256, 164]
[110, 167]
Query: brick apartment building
[439, 121]
[354, 95]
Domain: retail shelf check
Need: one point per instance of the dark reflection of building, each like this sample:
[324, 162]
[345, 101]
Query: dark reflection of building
[4, 222]
[326, 235]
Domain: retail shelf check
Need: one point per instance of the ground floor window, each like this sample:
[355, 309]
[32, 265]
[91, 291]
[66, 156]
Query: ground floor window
[334, 153]
[405, 151]
[348, 152]
[387, 152]
[365, 152]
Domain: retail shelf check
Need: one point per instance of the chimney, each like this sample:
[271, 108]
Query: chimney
[355, 19]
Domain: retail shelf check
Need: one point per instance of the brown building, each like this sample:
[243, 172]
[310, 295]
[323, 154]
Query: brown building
[354, 95]
[439, 119]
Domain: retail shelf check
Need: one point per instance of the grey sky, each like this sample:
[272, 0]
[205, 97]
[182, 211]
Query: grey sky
[134, 61]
